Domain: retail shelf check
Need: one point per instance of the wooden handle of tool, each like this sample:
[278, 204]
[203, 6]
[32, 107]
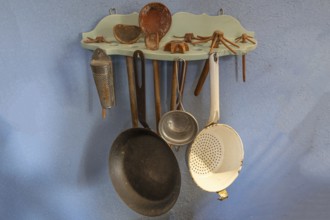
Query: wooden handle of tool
[132, 93]
[157, 91]
[104, 113]
[174, 85]
[243, 67]
[202, 78]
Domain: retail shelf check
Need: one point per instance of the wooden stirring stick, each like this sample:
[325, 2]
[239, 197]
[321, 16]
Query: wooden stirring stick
[104, 113]
[244, 39]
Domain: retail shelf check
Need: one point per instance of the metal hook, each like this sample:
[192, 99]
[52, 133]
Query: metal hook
[112, 11]
[215, 57]
[220, 12]
[138, 54]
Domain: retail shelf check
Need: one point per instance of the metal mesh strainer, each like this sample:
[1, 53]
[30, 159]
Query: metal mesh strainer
[178, 127]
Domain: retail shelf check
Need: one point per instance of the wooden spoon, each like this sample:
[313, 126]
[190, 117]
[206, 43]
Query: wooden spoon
[155, 20]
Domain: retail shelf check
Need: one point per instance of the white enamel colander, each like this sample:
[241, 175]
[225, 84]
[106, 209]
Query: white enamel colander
[216, 155]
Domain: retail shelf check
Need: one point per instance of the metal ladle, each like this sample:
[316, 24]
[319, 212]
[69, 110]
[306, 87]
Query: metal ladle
[178, 127]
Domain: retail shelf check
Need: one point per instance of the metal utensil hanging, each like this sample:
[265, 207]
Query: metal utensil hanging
[143, 169]
[177, 126]
[101, 66]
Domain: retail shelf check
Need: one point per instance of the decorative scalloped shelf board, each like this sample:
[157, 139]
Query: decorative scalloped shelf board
[182, 22]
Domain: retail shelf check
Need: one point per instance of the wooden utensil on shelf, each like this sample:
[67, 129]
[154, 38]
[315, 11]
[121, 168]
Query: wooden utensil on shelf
[157, 90]
[217, 38]
[155, 20]
[244, 39]
[126, 34]
[176, 46]
[98, 39]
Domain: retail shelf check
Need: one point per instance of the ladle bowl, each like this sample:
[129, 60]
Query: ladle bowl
[178, 127]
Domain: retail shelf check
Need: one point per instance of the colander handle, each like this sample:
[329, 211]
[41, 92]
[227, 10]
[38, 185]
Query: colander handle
[214, 89]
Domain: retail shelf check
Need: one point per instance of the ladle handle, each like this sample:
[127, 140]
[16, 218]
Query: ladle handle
[181, 76]
[140, 89]
[174, 86]
[214, 89]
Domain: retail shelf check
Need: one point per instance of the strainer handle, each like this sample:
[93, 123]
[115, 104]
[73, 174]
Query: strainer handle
[182, 76]
[214, 89]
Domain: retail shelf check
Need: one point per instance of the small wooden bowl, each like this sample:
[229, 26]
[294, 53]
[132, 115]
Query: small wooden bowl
[127, 34]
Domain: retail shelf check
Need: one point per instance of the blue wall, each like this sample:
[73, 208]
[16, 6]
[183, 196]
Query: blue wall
[54, 145]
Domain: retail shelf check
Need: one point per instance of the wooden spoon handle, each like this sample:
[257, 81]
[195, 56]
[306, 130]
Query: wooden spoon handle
[104, 113]
[157, 91]
[243, 67]
[202, 78]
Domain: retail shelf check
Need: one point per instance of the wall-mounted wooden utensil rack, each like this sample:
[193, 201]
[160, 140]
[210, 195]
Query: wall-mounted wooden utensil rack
[182, 23]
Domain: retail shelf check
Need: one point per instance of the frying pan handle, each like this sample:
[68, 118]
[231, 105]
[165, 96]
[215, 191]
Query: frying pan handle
[140, 89]
[215, 90]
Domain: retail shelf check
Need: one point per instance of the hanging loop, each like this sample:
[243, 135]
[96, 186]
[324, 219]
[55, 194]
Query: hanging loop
[112, 11]
[220, 12]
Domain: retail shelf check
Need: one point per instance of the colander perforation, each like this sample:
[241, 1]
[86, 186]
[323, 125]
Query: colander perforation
[206, 154]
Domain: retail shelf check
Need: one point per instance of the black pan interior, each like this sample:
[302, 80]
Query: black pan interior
[144, 171]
